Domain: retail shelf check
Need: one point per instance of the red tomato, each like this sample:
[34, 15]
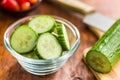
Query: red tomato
[21, 1]
[25, 6]
[1, 1]
[10, 5]
[33, 1]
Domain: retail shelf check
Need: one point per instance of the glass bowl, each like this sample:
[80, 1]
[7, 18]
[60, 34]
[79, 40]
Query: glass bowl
[43, 67]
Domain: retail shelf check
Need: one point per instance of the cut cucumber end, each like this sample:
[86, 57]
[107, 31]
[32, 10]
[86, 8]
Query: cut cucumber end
[63, 37]
[98, 62]
[43, 23]
[48, 47]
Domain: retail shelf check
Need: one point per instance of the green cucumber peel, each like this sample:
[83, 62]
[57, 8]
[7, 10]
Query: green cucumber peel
[108, 49]
[63, 36]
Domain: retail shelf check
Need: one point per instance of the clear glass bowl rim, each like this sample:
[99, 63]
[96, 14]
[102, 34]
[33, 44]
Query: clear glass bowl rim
[35, 61]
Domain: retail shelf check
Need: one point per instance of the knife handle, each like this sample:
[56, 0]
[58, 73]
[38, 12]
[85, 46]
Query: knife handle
[75, 5]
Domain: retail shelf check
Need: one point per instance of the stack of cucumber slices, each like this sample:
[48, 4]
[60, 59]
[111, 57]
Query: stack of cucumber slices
[36, 39]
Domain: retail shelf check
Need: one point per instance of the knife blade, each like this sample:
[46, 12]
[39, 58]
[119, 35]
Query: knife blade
[91, 17]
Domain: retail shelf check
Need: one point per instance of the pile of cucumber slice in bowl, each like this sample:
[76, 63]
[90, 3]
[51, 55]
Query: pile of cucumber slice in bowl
[42, 43]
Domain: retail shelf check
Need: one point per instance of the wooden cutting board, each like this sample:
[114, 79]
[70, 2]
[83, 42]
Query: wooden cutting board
[113, 75]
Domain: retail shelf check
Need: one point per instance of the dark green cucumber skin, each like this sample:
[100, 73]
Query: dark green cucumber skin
[109, 44]
[61, 36]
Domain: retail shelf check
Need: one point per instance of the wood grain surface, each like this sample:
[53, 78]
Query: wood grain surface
[74, 68]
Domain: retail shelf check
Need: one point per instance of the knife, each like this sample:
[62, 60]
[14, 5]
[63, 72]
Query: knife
[97, 22]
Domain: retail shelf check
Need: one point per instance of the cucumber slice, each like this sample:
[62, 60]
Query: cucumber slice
[23, 39]
[42, 23]
[106, 52]
[31, 55]
[63, 36]
[48, 47]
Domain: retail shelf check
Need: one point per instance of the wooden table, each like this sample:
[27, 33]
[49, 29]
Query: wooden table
[74, 68]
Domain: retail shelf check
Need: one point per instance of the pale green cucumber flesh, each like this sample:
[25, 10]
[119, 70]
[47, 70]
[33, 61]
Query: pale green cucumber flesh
[109, 46]
[63, 36]
[31, 55]
[98, 62]
[48, 47]
[42, 23]
[23, 39]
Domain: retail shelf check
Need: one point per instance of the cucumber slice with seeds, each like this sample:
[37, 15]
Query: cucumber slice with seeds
[106, 52]
[23, 39]
[43, 23]
[48, 47]
[63, 36]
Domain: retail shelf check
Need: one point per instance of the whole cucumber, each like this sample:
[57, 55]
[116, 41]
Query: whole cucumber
[106, 52]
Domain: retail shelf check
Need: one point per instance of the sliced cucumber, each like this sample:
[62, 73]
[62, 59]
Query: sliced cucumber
[63, 36]
[106, 52]
[31, 55]
[48, 47]
[23, 39]
[43, 23]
